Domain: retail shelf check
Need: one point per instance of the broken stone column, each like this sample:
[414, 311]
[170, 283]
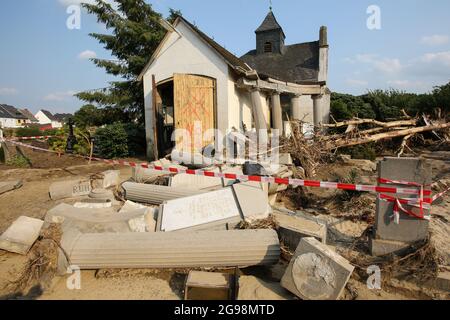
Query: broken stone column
[316, 272]
[233, 248]
[277, 114]
[388, 236]
[258, 114]
[317, 110]
[154, 194]
[296, 111]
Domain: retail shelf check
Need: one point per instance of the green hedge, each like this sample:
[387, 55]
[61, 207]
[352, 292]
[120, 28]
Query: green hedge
[119, 140]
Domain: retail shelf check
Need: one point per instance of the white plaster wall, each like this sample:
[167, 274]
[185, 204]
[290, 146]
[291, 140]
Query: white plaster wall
[42, 118]
[190, 55]
[56, 124]
[9, 123]
[240, 106]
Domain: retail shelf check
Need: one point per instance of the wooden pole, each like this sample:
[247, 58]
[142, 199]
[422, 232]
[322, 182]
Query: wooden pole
[155, 118]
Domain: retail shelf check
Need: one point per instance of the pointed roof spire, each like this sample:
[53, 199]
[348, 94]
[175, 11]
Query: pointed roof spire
[270, 23]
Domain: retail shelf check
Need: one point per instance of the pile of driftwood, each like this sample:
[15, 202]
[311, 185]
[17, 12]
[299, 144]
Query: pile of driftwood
[309, 152]
[407, 129]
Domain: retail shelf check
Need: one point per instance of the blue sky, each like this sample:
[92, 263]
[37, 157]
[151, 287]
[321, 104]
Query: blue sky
[42, 62]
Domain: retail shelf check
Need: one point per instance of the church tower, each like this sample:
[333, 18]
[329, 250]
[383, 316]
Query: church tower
[270, 36]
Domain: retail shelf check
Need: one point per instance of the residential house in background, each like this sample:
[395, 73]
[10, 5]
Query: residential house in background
[63, 117]
[10, 117]
[56, 121]
[30, 118]
[191, 79]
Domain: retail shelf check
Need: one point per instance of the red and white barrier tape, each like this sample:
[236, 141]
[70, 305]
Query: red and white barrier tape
[33, 138]
[284, 181]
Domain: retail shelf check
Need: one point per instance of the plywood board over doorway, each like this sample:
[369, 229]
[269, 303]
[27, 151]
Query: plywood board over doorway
[194, 99]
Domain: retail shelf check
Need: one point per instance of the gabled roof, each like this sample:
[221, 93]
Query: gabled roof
[62, 117]
[270, 23]
[298, 63]
[7, 111]
[49, 115]
[27, 113]
[233, 61]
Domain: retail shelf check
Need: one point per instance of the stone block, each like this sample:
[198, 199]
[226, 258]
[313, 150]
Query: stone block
[209, 286]
[253, 202]
[379, 247]
[6, 186]
[410, 229]
[109, 178]
[293, 228]
[21, 235]
[70, 189]
[316, 272]
[102, 194]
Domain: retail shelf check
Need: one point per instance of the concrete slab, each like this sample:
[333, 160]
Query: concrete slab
[208, 286]
[21, 235]
[194, 182]
[316, 272]
[293, 228]
[198, 210]
[253, 202]
[6, 186]
[105, 220]
[69, 189]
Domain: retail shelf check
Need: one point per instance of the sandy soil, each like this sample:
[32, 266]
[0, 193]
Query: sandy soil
[33, 200]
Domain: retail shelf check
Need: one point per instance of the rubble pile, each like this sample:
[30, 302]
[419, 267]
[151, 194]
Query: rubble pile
[164, 220]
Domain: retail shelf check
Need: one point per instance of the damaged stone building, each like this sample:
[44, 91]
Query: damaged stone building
[191, 78]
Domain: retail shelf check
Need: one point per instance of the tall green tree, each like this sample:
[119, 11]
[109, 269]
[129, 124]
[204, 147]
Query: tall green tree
[134, 34]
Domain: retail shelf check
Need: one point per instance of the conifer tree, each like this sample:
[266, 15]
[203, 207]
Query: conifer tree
[135, 33]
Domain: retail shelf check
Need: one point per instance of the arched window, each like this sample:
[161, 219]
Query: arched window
[267, 47]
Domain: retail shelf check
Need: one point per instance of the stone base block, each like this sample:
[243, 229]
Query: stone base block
[316, 272]
[380, 247]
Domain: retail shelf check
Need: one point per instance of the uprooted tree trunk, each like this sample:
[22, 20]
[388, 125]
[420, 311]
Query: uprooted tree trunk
[354, 122]
[343, 142]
